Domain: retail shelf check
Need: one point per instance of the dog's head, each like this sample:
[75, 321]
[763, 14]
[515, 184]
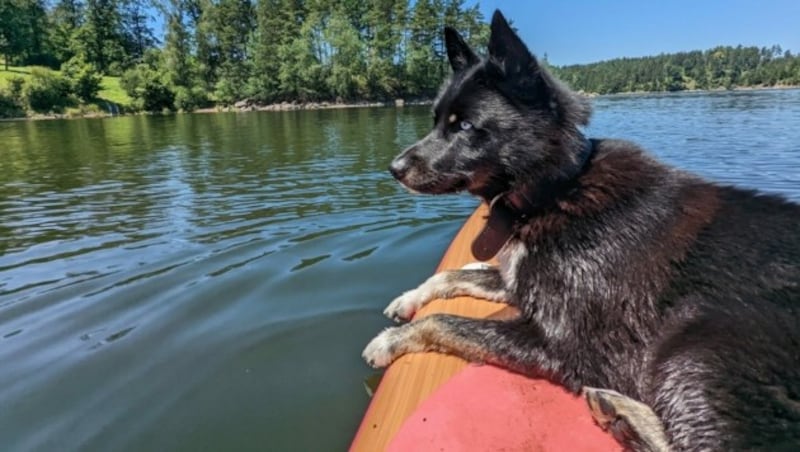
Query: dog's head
[500, 122]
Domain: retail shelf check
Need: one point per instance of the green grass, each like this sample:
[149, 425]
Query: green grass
[13, 71]
[110, 90]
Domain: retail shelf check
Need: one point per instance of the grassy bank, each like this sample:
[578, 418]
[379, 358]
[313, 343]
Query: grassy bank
[110, 98]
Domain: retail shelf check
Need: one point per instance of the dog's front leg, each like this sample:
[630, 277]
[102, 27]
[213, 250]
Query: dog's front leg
[483, 283]
[515, 345]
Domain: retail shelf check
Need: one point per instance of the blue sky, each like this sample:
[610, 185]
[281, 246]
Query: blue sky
[584, 31]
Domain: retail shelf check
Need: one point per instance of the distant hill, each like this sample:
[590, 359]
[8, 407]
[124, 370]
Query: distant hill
[718, 68]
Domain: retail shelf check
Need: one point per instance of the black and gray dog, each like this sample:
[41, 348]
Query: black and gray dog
[673, 303]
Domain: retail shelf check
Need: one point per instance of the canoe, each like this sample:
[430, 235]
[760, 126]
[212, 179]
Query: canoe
[430, 401]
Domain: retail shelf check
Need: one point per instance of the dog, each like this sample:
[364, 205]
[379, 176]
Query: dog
[670, 302]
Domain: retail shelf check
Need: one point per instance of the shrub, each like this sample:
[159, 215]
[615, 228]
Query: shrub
[46, 91]
[84, 110]
[189, 99]
[148, 88]
[15, 86]
[10, 107]
[84, 79]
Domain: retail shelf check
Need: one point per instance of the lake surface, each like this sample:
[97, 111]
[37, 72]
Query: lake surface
[207, 282]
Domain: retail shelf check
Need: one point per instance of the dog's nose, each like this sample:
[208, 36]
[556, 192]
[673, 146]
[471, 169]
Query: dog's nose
[398, 168]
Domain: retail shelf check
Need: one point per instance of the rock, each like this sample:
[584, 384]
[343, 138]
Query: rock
[399, 103]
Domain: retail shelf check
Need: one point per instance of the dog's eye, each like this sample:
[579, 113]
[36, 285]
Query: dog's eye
[466, 125]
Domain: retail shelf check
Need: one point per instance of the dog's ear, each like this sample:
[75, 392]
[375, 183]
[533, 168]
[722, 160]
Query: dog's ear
[508, 52]
[517, 71]
[458, 52]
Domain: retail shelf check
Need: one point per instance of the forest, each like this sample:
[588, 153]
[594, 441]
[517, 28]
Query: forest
[723, 67]
[187, 54]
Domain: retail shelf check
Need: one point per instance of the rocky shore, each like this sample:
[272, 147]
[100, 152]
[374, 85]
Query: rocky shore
[248, 105]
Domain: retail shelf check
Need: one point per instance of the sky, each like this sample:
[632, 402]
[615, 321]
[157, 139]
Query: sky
[585, 31]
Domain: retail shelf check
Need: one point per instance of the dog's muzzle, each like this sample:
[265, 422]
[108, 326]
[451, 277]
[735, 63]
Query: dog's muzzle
[399, 168]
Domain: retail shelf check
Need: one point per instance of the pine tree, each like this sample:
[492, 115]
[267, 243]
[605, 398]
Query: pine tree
[385, 23]
[200, 14]
[177, 44]
[232, 24]
[23, 28]
[301, 74]
[13, 32]
[99, 40]
[137, 35]
[37, 48]
[65, 19]
[422, 68]
[347, 79]
[275, 27]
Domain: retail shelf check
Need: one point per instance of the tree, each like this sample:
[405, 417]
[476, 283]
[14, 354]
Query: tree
[147, 85]
[232, 22]
[136, 33]
[13, 33]
[99, 40]
[275, 26]
[23, 26]
[206, 53]
[385, 26]
[347, 79]
[37, 46]
[65, 18]
[177, 44]
[301, 73]
[422, 70]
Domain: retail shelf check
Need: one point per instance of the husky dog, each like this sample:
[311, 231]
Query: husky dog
[671, 302]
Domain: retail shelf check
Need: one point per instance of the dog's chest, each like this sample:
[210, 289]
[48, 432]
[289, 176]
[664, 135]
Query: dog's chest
[510, 261]
[540, 284]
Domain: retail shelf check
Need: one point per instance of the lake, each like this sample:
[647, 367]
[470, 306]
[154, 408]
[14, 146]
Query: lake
[208, 281]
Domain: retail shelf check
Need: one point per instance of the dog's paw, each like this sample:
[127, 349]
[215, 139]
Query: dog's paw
[381, 351]
[631, 422]
[403, 308]
[601, 404]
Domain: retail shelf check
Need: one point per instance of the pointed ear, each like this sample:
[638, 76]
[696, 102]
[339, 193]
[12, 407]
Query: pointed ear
[458, 52]
[508, 51]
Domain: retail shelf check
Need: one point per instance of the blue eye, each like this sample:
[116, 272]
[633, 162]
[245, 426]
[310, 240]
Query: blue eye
[466, 125]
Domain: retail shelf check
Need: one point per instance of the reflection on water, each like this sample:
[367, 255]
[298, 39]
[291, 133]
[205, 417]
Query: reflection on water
[206, 282]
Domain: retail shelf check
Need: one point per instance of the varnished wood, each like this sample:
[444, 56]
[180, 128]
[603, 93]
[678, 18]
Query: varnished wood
[413, 377]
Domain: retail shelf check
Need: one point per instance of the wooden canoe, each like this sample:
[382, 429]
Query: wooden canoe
[430, 401]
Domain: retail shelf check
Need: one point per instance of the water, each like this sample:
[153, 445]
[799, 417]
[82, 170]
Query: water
[207, 282]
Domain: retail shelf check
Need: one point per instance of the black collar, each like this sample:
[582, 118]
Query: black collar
[509, 209]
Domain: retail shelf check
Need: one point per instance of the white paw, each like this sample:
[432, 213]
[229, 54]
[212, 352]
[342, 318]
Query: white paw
[405, 306]
[380, 352]
[476, 266]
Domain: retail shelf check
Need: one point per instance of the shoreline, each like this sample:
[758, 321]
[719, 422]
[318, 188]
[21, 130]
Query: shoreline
[695, 91]
[246, 106]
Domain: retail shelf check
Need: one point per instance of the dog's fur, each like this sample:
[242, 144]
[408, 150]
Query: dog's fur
[678, 297]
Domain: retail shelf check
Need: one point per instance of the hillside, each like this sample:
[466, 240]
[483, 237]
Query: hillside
[110, 97]
[723, 67]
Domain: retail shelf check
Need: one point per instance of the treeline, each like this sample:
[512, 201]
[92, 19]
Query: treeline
[222, 51]
[108, 34]
[218, 52]
[720, 67]
[294, 50]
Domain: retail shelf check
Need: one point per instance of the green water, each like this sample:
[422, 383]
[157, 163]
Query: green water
[207, 282]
